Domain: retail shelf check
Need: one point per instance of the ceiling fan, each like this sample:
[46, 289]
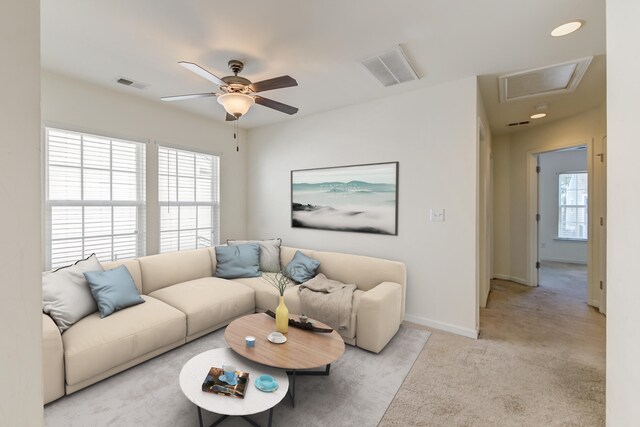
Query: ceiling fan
[239, 94]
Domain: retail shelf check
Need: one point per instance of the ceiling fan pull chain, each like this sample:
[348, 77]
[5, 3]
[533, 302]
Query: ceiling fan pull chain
[235, 134]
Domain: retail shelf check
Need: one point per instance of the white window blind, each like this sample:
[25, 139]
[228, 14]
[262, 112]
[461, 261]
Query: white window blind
[94, 197]
[189, 196]
[572, 205]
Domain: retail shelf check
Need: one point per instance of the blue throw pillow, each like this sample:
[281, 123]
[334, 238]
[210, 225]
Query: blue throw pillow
[301, 268]
[238, 261]
[113, 290]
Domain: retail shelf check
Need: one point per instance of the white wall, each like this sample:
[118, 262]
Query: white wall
[623, 245]
[551, 248]
[20, 305]
[511, 152]
[485, 208]
[501, 145]
[432, 133]
[74, 104]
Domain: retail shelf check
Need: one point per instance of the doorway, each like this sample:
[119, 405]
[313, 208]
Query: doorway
[566, 211]
[562, 221]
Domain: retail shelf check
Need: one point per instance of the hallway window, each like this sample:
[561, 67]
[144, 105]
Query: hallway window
[572, 205]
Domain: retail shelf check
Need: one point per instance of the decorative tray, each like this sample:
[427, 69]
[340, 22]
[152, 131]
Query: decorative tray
[307, 325]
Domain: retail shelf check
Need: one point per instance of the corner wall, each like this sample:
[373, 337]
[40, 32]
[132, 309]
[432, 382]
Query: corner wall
[485, 208]
[20, 305]
[623, 236]
[432, 133]
[67, 102]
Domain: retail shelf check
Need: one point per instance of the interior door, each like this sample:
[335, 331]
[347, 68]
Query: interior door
[603, 225]
[537, 278]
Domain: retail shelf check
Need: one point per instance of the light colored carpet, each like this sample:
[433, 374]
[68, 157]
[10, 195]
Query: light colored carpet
[540, 361]
[357, 392]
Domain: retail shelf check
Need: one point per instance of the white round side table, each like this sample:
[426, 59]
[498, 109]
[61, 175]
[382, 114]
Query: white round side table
[195, 371]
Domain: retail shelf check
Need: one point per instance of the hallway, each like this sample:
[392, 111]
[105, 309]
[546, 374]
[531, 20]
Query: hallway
[540, 360]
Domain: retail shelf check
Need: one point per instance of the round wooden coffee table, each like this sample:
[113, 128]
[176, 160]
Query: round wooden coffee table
[303, 349]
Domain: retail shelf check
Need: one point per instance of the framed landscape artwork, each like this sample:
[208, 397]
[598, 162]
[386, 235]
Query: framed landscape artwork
[360, 198]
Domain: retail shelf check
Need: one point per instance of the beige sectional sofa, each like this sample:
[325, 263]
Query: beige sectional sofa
[183, 301]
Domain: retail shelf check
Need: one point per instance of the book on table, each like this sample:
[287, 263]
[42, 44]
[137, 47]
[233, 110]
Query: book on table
[213, 384]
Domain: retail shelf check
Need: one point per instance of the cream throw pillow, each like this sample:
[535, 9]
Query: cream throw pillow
[66, 295]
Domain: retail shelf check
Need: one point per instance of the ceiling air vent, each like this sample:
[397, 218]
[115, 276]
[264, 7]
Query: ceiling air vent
[518, 124]
[391, 68]
[551, 80]
[131, 83]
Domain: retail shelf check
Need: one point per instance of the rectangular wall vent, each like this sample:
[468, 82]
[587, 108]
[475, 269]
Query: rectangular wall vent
[391, 68]
[130, 83]
[518, 124]
[551, 80]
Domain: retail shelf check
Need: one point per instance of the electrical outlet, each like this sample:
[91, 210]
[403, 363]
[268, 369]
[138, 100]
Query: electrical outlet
[436, 215]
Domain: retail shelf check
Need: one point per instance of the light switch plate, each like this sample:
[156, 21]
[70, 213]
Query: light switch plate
[436, 215]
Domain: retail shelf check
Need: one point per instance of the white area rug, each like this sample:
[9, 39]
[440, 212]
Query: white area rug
[357, 393]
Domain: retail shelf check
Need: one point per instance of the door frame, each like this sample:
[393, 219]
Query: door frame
[532, 210]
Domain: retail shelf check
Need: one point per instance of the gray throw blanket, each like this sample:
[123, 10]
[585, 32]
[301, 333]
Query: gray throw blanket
[326, 300]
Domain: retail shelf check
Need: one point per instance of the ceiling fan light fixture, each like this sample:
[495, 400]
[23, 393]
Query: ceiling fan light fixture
[236, 104]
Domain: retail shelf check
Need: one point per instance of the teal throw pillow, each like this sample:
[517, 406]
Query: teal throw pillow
[238, 261]
[301, 268]
[113, 290]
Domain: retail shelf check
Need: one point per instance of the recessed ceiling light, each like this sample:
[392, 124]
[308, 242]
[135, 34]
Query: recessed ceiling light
[567, 28]
[539, 116]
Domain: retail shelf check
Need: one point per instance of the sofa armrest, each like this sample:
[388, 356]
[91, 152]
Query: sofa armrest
[379, 316]
[52, 360]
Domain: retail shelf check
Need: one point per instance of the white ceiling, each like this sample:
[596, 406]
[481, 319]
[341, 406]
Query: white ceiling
[319, 43]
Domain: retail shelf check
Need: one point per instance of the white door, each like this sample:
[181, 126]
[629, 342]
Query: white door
[603, 226]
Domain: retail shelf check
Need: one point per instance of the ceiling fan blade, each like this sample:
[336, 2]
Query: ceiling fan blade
[231, 118]
[275, 83]
[288, 109]
[181, 97]
[202, 72]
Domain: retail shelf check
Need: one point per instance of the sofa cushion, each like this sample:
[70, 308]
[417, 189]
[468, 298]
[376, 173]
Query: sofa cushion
[208, 301]
[267, 297]
[269, 253]
[159, 271]
[366, 272]
[113, 289]
[292, 301]
[301, 268]
[94, 345]
[65, 292]
[238, 261]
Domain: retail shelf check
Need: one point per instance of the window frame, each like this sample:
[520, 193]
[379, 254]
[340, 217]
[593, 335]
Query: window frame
[560, 206]
[215, 196]
[140, 203]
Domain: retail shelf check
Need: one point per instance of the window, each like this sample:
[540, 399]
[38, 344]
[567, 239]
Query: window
[572, 205]
[94, 197]
[189, 199]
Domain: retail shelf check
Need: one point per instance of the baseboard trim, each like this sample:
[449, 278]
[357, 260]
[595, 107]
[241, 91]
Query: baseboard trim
[511, 279]
[447, 327]
[564, 261]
